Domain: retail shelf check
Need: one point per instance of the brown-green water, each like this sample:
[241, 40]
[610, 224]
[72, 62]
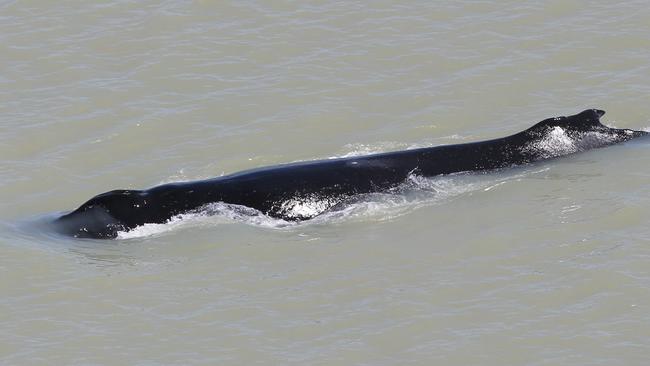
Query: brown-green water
[541, 265]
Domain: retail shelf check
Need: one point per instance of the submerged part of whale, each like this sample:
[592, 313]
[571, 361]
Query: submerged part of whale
[276, 190]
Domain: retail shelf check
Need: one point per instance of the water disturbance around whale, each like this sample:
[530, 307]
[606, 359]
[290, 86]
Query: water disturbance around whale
[301, 191]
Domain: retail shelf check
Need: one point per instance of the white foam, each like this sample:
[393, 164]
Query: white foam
[212, 214]
[156, 229]
[309, 206]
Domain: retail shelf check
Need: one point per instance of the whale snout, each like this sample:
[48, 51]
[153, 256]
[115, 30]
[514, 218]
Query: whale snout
[106, 214]
[93, 222]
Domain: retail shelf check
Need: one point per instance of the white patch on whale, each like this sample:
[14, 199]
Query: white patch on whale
[559, 142]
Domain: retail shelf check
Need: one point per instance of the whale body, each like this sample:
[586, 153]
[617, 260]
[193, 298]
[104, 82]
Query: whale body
[273, 190]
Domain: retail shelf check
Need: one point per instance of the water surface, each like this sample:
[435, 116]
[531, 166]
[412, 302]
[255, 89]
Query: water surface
[541, 265]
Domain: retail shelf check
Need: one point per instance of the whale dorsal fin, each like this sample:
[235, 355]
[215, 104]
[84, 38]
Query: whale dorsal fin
[586, 120]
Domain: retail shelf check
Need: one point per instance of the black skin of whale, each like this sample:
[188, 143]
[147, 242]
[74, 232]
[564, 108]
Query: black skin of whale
[335, 181]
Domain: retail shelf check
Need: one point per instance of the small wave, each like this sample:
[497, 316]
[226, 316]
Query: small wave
[209, 215]
[367, 149]
[352, 150]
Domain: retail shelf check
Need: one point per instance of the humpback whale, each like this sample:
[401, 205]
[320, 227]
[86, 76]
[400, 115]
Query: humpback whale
[272, 190]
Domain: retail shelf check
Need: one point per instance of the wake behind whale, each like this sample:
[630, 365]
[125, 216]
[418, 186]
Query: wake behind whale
[302, 191]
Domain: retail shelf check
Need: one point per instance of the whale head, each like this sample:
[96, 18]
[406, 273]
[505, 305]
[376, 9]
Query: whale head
[104, 215]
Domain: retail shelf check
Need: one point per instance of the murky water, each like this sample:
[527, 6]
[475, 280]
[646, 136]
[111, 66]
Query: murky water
[543, 265]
